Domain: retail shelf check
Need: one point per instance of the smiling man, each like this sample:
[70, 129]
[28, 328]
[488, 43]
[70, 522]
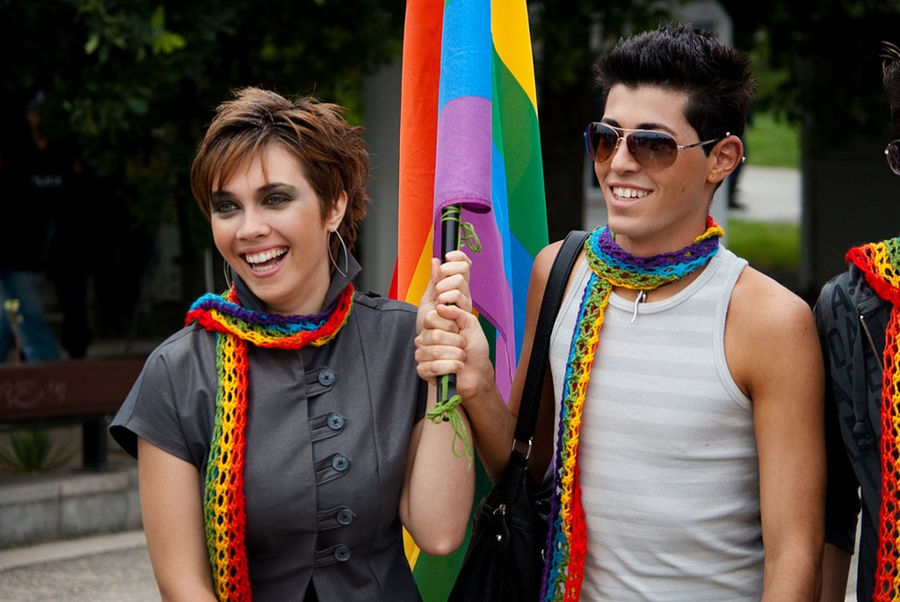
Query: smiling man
[690, 382]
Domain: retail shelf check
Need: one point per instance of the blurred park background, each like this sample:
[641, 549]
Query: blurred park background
[129, 86]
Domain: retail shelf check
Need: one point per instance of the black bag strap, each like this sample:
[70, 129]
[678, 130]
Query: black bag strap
[540, 349]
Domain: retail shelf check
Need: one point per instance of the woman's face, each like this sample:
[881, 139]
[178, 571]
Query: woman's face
[267, 223]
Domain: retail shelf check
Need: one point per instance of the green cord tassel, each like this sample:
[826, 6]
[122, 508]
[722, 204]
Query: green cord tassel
[467, 235]
[447, 411]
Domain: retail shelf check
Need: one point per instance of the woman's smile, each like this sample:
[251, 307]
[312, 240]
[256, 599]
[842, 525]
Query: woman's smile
[265, 262]
[267, 223]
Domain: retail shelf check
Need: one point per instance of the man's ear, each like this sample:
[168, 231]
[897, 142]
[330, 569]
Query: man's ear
[724, 158]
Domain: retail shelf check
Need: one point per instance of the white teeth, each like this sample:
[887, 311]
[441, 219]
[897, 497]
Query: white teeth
[265, 255]
[629, 193]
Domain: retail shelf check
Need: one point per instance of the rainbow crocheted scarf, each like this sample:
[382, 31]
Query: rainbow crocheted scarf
[611, 266]
[880, 263]
[223, 504]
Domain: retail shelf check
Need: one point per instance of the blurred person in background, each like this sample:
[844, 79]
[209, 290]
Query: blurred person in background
[34, 170]
[858, 318]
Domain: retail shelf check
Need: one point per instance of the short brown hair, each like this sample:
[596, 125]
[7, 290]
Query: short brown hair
[331, 151]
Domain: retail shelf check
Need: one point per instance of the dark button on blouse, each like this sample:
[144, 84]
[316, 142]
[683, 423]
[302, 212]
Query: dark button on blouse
[335, 517]
[326, 377]
[335, 421]
[340, 462]
[341, 553]
[345, 516]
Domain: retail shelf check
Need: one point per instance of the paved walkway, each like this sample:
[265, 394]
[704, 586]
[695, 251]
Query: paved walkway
[107, 568]
[769, 194]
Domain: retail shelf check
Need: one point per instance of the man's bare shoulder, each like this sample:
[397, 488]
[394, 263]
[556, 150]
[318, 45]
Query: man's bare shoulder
[770, 334]
[760, 302]
[540, 269]
[543, 261]
[543, 264]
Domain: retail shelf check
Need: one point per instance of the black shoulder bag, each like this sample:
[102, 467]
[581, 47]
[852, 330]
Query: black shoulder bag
[504, 561]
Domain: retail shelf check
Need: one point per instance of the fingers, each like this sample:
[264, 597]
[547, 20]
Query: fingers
[435, 360]
[457, 256]
[454, 297]
[435, 276]
[439, 350]
[451, 275]
[431, 371]
[427, 301]
[443, 317]
[453, 290]
[452, 281]
[444, 313]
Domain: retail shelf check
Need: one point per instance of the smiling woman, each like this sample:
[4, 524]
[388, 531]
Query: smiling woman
[267, 223]
[248, 422]
[330, 154]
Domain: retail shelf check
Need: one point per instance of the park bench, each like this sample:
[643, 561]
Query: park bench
[60, 393]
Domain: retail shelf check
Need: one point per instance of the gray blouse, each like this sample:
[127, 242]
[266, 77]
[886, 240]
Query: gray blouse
[327, 436]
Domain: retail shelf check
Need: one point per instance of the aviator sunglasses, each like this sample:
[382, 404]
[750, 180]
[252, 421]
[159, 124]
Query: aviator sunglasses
[892, 154]
[651, 149]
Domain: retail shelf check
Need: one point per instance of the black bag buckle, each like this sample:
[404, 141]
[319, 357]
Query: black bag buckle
[518, 446]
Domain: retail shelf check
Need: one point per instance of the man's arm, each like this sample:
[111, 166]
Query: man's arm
[451, 341]
[774, 355]
[835, 567]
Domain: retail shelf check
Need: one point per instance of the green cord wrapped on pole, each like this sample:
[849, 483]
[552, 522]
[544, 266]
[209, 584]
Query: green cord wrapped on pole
[446, 410]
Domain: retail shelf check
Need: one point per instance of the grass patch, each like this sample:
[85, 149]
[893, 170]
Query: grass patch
[766, 245]
[33, 451]
[772, 142]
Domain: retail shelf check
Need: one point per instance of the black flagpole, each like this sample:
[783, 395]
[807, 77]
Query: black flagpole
[450, 216]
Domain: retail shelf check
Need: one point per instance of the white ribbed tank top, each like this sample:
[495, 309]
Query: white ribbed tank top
[668, 458]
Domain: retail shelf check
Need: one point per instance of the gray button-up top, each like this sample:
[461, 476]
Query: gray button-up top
[327, 436]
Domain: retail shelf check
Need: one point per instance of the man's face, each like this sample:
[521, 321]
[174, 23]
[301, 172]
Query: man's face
[654, 210]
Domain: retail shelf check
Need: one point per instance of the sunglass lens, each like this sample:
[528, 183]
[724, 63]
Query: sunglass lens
[892, 152]
[601, 141]
[653, 150]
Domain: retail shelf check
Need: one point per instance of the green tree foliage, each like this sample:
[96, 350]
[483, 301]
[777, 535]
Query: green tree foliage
[829, 51]
[134, 84]
[131, 73]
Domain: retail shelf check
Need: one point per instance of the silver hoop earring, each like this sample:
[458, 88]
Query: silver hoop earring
[226, 270]
[346, 253]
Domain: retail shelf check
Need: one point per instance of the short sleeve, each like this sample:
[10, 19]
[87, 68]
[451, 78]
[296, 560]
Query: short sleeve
[172, 402]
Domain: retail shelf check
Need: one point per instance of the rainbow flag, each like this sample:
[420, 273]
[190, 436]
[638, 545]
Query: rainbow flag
[469, 137]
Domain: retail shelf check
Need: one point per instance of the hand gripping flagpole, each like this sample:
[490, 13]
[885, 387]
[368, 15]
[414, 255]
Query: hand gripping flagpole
[448, 399]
